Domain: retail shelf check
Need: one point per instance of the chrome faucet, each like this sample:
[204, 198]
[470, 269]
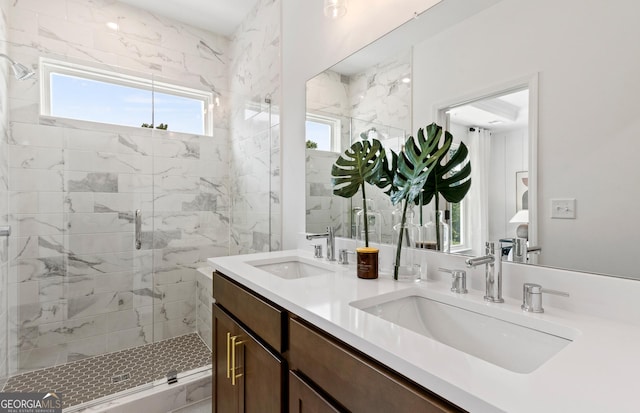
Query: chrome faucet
[492, 272]
[331, 242]
[521, 250]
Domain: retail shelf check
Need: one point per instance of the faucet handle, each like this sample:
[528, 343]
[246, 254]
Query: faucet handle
[317, 250]
[532, 297]
[343, 256]
[458, 280]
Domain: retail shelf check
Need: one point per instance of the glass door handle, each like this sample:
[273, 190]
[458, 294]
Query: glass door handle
[138, 224]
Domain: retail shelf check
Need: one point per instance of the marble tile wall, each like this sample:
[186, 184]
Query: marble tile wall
[4, 115]
[378, 94]
[255, 127]
[78, 287]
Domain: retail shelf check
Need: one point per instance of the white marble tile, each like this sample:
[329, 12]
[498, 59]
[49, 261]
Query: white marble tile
[91, 223]
[91, 181]
[89, 140]
[177, 148]
[130, 319]
[90, 264]
[29, 134]
[37, 224]
[107, 162]
[133, 337]
[87, 347]
[35, 157]
[90, 243]
[183, 291]
[35, 180]
[174, 275]
[80, 201]
[34, 314]
[132, 144]
[71, 330]
[44, 7]
[135, 183]
[57, 28]
[98, 304]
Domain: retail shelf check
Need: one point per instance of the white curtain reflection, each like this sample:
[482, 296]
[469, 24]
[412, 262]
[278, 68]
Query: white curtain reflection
[479, 143]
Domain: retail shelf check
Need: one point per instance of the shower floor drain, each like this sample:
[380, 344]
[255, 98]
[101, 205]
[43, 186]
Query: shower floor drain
[121, 377]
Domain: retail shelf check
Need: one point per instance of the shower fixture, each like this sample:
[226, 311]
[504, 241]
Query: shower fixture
[20, 71]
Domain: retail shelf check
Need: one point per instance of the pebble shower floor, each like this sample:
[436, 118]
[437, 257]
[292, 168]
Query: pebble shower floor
[91, 378]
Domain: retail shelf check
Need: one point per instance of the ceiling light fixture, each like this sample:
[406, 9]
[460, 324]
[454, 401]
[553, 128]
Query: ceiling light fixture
[335, 8]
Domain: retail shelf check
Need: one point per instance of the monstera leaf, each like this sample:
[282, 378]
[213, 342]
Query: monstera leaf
[451, 180]
[384, 178]
[415, 164]
[361, 163]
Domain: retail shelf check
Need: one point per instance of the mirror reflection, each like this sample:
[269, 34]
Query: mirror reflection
[567, 176]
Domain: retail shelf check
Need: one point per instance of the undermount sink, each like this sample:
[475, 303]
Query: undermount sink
[292, 267]
[504, 343]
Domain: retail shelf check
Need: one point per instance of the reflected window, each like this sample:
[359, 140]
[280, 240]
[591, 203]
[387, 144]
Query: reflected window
[322, 133]
[89, 94]
[460, 237]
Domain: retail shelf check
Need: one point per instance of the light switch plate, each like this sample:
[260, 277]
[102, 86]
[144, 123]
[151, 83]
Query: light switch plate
[563, 208]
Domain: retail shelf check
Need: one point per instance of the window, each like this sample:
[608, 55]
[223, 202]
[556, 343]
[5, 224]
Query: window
[324, 131]
[90, 94]
[460, 237]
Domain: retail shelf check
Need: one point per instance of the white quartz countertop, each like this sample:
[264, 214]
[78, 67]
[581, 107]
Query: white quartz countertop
[597, 372]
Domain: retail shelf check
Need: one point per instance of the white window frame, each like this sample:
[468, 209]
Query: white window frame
[51, 66]
[336, 128]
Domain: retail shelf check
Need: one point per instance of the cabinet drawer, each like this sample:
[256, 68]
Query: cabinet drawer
[304, 399]
[264, 319]
[355, 382]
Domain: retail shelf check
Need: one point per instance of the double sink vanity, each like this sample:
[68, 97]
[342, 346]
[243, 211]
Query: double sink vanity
[349, 344]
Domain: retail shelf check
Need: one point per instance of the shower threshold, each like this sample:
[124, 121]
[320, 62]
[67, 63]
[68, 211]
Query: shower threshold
[107, 374]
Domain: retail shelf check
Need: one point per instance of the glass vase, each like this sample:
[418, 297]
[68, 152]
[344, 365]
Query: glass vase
[406, 262]
[433, 230]
[373, 228]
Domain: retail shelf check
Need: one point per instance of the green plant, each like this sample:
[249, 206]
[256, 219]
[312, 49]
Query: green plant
[361, 163]
[311, 144]
[415, 164]
[162, 126]
[451, 180]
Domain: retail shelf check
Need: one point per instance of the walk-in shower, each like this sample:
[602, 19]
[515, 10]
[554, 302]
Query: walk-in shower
[109, 225]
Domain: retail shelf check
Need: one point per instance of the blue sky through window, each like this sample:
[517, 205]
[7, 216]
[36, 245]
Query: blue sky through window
[93, 100]
[319, 133]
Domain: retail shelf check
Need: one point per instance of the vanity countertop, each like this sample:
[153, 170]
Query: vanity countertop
[596, 372]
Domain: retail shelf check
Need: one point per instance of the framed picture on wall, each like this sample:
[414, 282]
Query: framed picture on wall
[522, 190]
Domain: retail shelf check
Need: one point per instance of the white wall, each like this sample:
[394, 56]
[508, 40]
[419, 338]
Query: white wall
[587, 56]
[311, 43]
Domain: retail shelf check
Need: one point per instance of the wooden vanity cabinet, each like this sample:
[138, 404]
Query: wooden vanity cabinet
[352, 379]
[249, 374]
[282, 363]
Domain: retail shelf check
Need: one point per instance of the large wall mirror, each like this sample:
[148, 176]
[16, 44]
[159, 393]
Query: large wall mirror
[543, 94]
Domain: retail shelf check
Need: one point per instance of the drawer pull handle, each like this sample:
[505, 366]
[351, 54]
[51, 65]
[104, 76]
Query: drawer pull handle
[234, 368]
[228, 355]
